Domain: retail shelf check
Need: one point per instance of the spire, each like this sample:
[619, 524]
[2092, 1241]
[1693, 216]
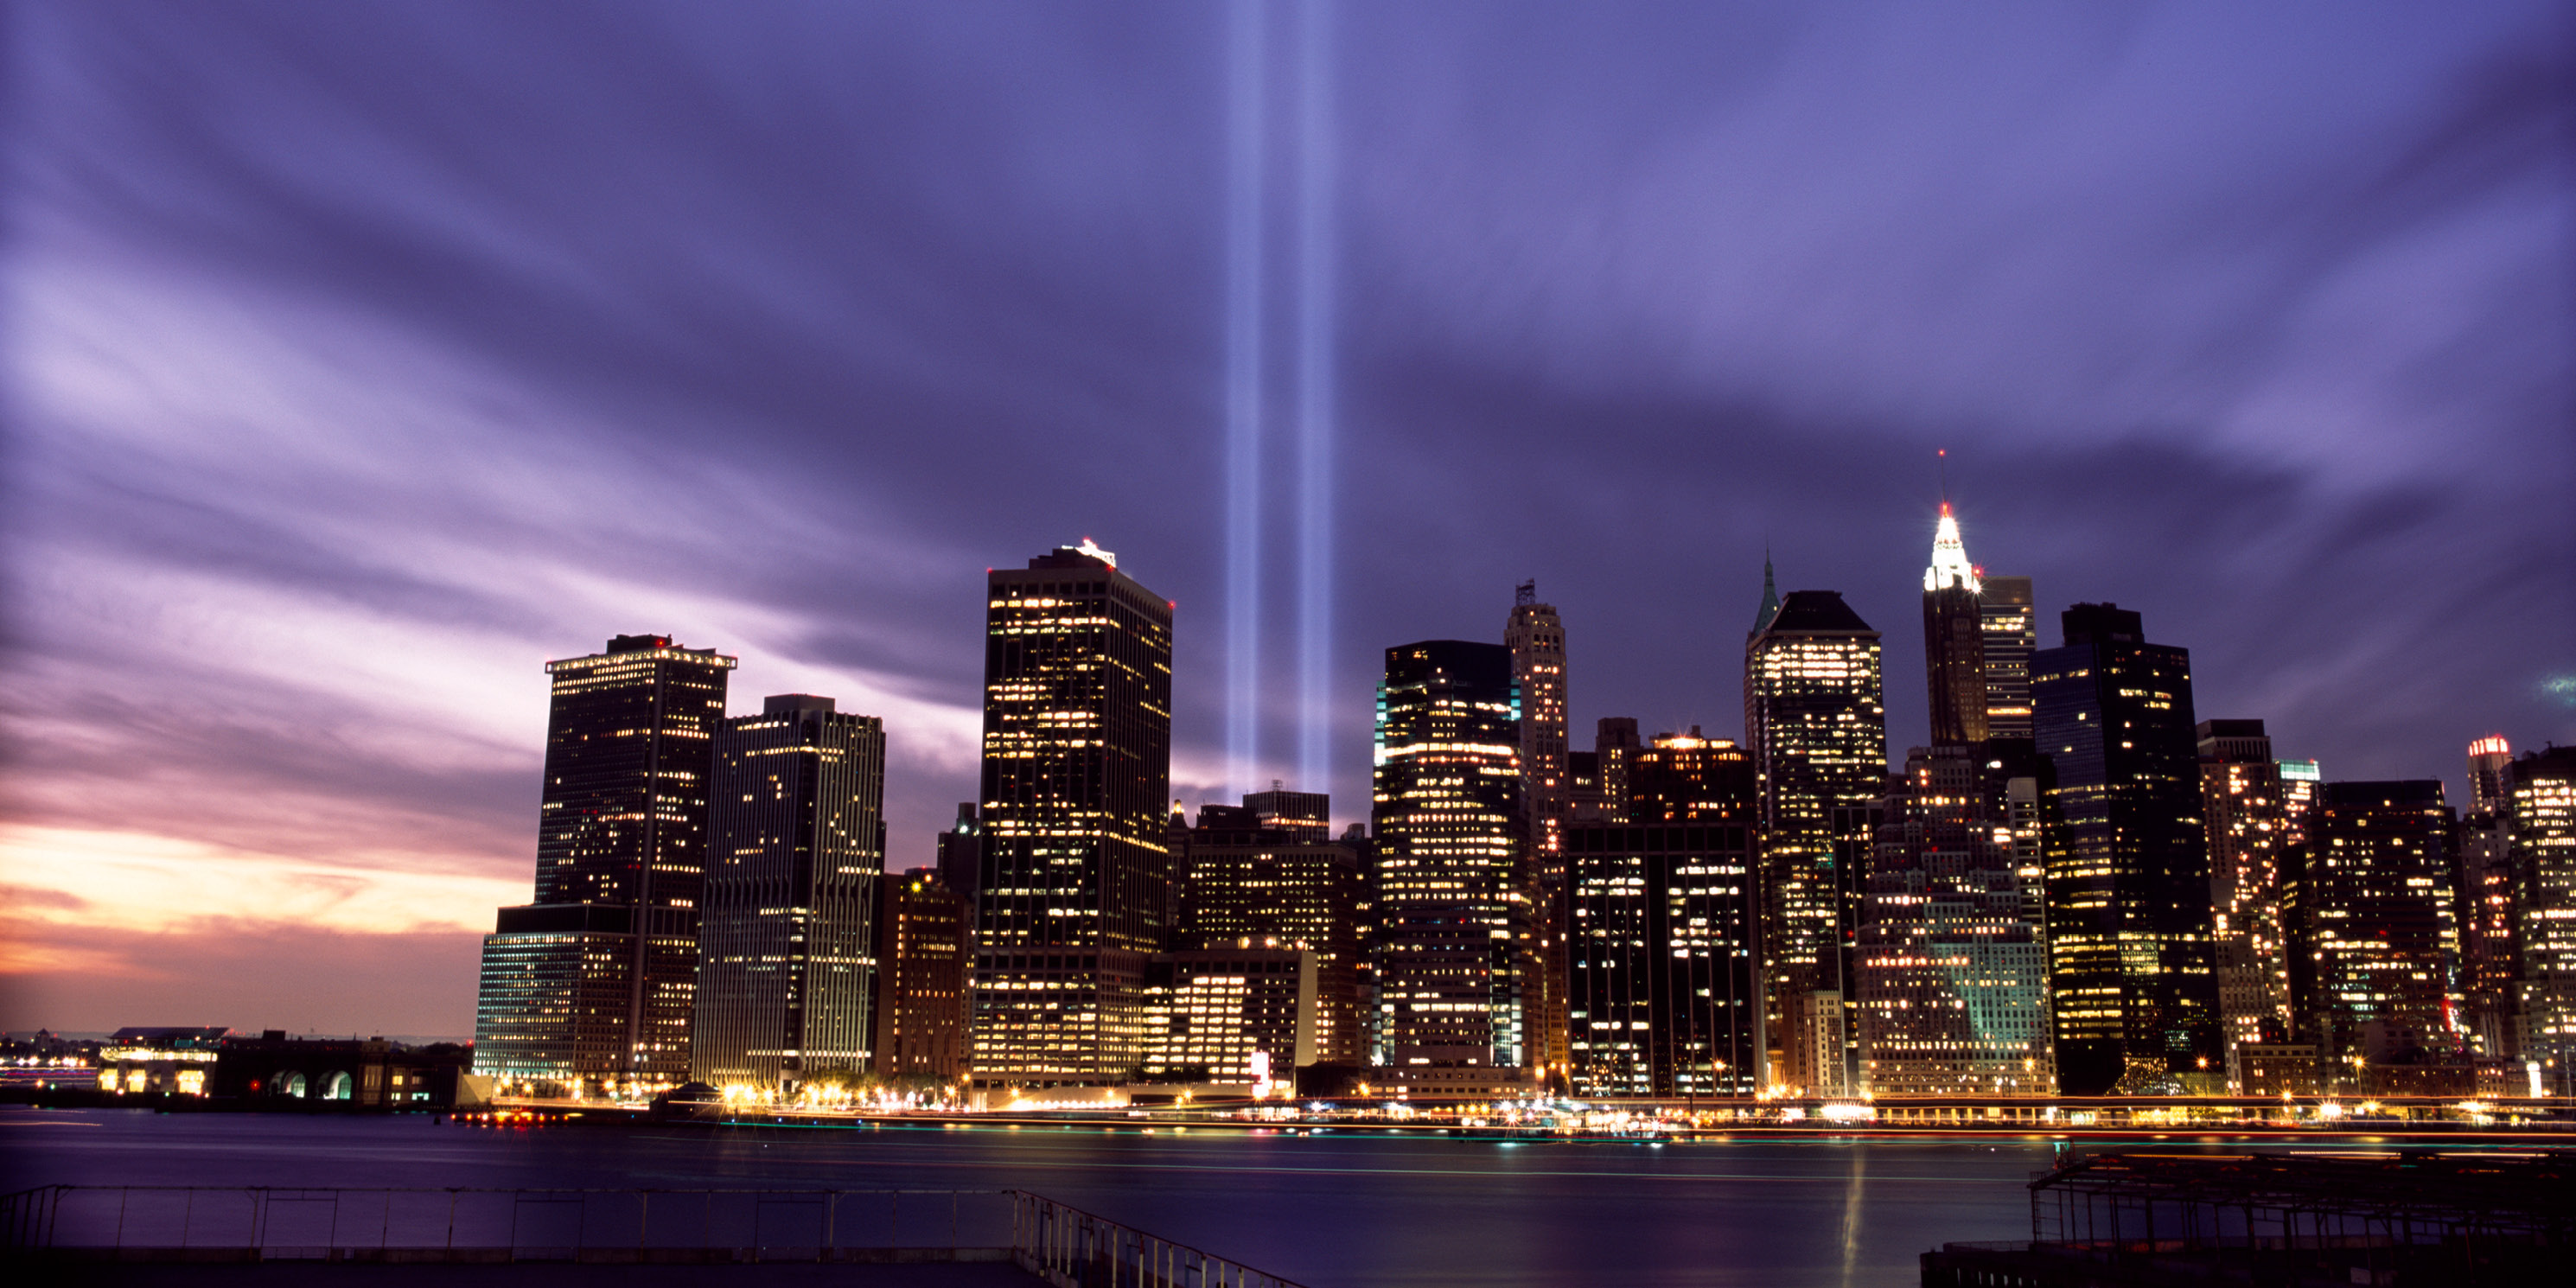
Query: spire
[1950, 565]
[1770, 595]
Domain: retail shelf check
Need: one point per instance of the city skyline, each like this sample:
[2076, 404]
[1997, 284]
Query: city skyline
[340, 402]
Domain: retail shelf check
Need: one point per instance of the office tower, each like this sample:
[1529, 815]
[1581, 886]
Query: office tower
[922, 952]
[2252, 848]
[1233, 1015]
[2542, 802]
[787, 951]
[1536, 639]
[2012, 635]
[1585, 801]
[1954, 639]
[1952, 963]
[1815, 719]
[2489, 902]
[587, 990]
[1255, 885]
[2131, 971]
[961, 853]
[2372, 937]
[1614, 745]
[1453, 949]
[1687, 778]
[1077, 770]
[1666, 996]
[1305, 816]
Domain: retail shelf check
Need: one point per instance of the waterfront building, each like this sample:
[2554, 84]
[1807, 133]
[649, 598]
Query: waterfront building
[1449, 878]
[1536, 637]
[1815, 720]
[2131, 970]
[2253, 848]
[589, 989]
[922, 954]
[1666, 996]
[2543, 805]
[2490, 901]
[1255, 885]
[1232, 1015]
[2011, 626]
[1954, 639]
[961, 853]
[365, 1073]
[1952, 960]
[2373, 944]
[787, 953]
[1075, 895]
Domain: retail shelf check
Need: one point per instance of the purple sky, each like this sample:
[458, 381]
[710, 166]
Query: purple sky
[360, 358]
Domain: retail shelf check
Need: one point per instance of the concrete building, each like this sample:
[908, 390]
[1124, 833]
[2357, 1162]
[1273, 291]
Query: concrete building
[2253, 850]
[922, 955]
[2374, 949]
[1536, 638]
[1252, 884]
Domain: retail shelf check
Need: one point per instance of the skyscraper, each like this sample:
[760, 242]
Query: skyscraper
[1077, 770]
[2131, 969]
[2542, 791]
[961, 853]
[922, 951]
[588, 989]
[1954, 639]
[1255, 884]
[1687, 778]
[787, 937]
[2372, 932]
[2490, 902]
[2253, 848]
[1450, 881]
[1952, 962]
[1666, 996]
[2012, 635]
[1614, 748]
[1815, 719]
[1536, 638]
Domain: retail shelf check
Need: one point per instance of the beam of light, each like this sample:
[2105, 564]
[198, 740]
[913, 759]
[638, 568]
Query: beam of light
[1316, 394]
[1243, 351]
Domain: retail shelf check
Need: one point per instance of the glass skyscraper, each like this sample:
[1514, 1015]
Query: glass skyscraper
[1666, 996]
[1449, 876]
[589, 989]
[1075, 892]
[2131, 969]
[787, 964]
[1815, 719]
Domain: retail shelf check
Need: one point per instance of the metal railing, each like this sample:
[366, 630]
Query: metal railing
[1063, 1245]
[1071, 1248]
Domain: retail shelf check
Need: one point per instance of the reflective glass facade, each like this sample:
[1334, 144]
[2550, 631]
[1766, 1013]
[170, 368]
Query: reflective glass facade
[787, 965]
[1076, 866]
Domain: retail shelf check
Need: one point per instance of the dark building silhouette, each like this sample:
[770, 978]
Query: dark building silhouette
[589, 989]
[961, 853]
[1305, 816]
[787, 936]
[2373, 934]
[1614, 747]
[922, 953]
[1954, 639]
[2131, 967]
[1815, 719]
[1449, 879]
[1665, 996]
[1687, 778]
[1075, 893]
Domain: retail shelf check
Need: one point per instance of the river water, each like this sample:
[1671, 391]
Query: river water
[1333, 1211]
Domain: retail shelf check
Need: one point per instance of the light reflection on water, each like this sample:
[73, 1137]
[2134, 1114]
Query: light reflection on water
[1333, 1211]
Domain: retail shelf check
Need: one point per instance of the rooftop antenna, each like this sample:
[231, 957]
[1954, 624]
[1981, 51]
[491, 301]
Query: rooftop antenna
[1525, 594]
[1944, 458]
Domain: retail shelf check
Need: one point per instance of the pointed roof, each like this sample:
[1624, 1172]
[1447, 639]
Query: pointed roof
[1816, 611]
[1950, 566]
[1770, 597]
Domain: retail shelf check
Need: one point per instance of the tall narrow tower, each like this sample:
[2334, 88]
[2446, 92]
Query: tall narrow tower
[1954, 644]
[588, 989]
[1536, 638]
[1815, 719]
[2012, 635]
[1076, 852]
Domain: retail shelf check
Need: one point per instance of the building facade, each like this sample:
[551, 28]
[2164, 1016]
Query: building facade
[1232, 1015]
[1815, 719]
[2253, 849]
[1666, 996]
[922, 954]
[787, 951]
[1954, 639]
[589, 989]
[2543, 805]
[2489, 901]
[1536, 638]
[1075, 894]
[1253, 884]
[2373, 939]
[1450, 880]
[2012, 635]
[1953, 961]
[2132, 973]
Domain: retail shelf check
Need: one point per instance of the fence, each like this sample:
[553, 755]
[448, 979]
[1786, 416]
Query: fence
[1063, 1245]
